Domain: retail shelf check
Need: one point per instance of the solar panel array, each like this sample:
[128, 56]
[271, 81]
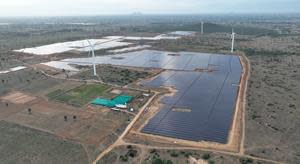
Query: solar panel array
[152, 59]
[209, 96]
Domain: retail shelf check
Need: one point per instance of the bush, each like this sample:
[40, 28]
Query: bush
[211, 162]
[157, 161]
[206, 156]
[188, 154]
[124, 158]
[168, 162]
[152, 151]
[246, 160]
[132, 153]
[160, 161]
[174, 154]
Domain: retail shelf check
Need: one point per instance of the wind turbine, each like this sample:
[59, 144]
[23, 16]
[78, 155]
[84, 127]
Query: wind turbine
[93, 55]
[202, 27]
[232, 40]
[92, 48]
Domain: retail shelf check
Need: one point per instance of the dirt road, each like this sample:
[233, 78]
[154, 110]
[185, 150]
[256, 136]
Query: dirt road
[247, 68]
[120, 141]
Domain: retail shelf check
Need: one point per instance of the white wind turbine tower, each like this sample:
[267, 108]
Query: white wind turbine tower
[93, 56]
[92, 48]
[232, 40]
[202, 27]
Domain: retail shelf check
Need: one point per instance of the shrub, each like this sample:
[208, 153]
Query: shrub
[124, 158]
[246, 160]
[174, 154]
[187, 154]
[206, 156]
[160, 161]
[152, 151]
[157, 161]
[211, 162]
[132, 153]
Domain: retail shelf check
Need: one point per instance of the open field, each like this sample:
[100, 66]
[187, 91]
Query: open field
[95, 128]
[273, 108]
[81, 95]
[20, 144]
[27, 80]
[91, 128]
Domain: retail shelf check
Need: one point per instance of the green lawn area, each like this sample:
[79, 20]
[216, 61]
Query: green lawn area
[54, 94]
[81, 95]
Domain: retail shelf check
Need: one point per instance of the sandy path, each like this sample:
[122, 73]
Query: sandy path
[247, 68]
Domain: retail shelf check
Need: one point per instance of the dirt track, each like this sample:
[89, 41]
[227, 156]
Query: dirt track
[120, 139]
[247, 67]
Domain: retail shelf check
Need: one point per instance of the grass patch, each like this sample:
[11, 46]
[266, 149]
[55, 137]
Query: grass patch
[81, 95]
[54, 94]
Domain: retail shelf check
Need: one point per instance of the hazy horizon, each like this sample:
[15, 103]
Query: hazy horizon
[15, 8]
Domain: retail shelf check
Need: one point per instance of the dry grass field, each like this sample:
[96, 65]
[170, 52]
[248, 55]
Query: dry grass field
[88, 129]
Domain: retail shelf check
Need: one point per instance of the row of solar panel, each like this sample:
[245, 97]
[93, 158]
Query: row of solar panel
[158, 59]
[210, 96]
[153, 59]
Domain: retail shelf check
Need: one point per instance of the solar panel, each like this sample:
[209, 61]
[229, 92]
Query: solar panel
[209, 96]
[203, 106]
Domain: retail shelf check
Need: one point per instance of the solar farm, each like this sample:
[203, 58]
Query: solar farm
[210, 98]
[206, 87]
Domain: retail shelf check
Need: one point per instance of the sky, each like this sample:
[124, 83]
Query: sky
[117, 7]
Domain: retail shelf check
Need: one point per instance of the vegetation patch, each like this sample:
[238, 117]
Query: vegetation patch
[81, 95]
[206, 156]
[246, 161]
[113, 75]
[161, 161]
[131, 153]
